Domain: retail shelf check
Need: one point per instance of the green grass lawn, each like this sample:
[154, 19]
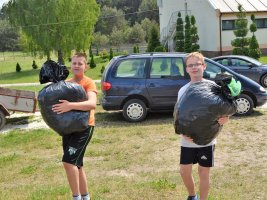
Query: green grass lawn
[134, 161]
[8, 72]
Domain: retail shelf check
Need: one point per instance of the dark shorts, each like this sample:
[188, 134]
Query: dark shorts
[204, 156]
[74, 146]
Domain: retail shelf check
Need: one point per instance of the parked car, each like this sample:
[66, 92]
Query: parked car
[141, 83]
[246, 66]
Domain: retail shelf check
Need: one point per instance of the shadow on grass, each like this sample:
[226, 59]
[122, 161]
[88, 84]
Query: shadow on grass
[18, 120]
[11, 76]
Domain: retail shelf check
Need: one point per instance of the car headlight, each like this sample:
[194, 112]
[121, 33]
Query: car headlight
[262, 89]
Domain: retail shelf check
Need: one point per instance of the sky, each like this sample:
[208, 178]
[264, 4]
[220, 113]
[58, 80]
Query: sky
[2, 2]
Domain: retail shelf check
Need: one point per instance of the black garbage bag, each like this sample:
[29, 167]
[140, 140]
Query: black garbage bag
[68, 122]
[52, 72]
[199, 108]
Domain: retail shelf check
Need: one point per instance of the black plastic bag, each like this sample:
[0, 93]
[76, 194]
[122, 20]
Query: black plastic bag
[68, 122]
[199, 108]
[53, 72]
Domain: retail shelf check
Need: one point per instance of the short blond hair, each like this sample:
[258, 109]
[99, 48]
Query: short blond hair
[80, 55]
[196, 55]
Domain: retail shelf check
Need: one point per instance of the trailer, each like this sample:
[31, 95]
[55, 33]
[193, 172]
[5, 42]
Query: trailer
[12, 100]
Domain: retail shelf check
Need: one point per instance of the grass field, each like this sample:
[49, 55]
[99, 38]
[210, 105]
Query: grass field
[8, 72]
[134, 161]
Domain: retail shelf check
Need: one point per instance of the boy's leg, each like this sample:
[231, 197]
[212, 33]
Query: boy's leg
[83, 181]
[73, 177]
[186, 174]
[204, 181]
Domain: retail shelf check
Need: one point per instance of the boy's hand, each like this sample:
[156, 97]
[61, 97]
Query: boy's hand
[62, 107]
[189, 139]
[223, 120]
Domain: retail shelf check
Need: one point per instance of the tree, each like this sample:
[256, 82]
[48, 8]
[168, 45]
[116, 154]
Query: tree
[100, 40]
[92, 62]
[9, 37]
[134, 49]
[34, 66]
[179, 34]
[153, 40]
[54, 24]
[194, 35]
[110, 53]
[109, 19]
[254, 50]
[241, 42]
[146, 26]
[149, 9]
[136, 34]
[187, 41]
[18, 68]
[90, 50]
[117, 37]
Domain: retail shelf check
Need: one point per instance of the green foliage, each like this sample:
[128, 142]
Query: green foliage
[146, 26]
[9, 37]
[153, 40]
[179, 34]
[254, 50]
[187, 42]
[104, 54]
[117, 37]
[47, 31]
[149, 5]
[136, 34]
[92, 62]
[90, 50]
[34, 66]
[110, 53]
[102, 69]
[194, 35]
[18, 68]
[241, 42]
[134, 49]
[160, 49]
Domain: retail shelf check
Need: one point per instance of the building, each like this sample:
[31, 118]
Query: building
[215, 20]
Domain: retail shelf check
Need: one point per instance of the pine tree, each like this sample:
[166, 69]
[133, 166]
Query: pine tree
[194, 35]
[92, 62]
[179, 34]
[90, 50]
[187, 41]
[97, 51]
[153, 40]
[110, 53]
[134, 49]
[137, 49]
[241, 42]
[34, 66]
[254, 50]
[18, 68]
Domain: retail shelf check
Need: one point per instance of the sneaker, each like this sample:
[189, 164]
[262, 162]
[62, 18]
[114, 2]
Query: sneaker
[192, 198]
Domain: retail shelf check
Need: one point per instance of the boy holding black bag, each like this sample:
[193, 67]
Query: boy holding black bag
[192, 153]
[74, 145]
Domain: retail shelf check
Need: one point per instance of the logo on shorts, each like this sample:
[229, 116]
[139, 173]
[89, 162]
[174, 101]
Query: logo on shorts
[204, 157]
[72, 150]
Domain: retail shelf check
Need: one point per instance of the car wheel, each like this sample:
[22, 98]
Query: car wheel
[2, 119]
[245, 105]
[134, 110]
[264, 81]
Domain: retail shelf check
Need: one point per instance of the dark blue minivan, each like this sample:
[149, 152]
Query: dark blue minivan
[141, 83]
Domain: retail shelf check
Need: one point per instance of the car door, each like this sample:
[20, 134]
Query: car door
[166, 77]
[243, 67]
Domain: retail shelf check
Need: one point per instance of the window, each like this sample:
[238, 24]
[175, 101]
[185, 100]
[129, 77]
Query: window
[261, 23]
[240, 63]
[223, 61]
[212, 70]
[133, 68]
[228, 25]
[166, 67]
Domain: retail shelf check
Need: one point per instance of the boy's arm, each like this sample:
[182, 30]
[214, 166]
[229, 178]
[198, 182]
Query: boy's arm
[65, 106]
[223, 120]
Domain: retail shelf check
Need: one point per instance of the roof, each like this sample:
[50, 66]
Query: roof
[230, 6]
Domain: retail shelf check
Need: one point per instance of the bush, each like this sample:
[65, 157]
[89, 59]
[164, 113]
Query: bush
[110, 53]
[102, 69]
[104, 54]
[18, 68]
[160, 49]
[92, 62]
[34, 66]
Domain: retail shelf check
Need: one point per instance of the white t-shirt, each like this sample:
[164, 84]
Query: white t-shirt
[184, 142]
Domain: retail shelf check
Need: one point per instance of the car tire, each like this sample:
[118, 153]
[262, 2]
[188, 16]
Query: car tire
[264, 80]
[2, 119]
[134, 110]
[245, 105]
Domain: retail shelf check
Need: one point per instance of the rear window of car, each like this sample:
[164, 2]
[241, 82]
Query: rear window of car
[131, 68]
[166, 67]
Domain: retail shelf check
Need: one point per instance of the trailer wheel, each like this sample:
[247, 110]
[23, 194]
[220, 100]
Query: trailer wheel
[2, 119]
